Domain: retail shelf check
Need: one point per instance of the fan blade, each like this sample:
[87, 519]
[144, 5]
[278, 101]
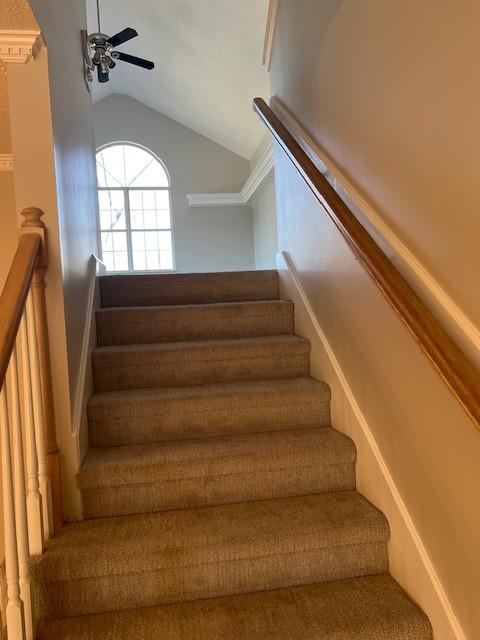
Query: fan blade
[123, 36]
[102, 77]
[140, 62]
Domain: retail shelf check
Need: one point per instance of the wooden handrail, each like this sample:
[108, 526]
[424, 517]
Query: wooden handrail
[14, 295]
[458, 373]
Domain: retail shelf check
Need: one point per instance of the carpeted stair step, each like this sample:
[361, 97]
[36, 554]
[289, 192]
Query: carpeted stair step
[138, 416]
[367, 608]
[175, 323]
[226, 469]
[187, 288]
[174, 556]
[188, 363]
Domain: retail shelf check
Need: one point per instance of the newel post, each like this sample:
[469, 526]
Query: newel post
[33, 223]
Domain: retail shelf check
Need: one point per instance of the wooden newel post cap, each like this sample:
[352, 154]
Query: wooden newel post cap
[33, 218]
[33, 223]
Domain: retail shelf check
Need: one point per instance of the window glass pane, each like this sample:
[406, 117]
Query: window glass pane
[139, 261]
[136, 199]
[164, 240]
[108, 260]
[166, 260]
[136, 161]
[120, 241]
[162, 199]
[148, 198]
[150, 219]
[152, 175]
[163, 219]
[107, 242]
[136, 220]
[112, 211]
[151, 243]
[105, 219]
[138, 241]
[121, 260]
[153, 260]
[111, 167]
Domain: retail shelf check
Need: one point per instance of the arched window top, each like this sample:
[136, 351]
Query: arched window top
[129, 166]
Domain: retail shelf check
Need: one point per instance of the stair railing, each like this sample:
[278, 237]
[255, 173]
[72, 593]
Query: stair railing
[453, 366]
[27, 428]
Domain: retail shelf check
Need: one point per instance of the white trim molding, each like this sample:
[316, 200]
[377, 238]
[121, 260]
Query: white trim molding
[285, 263]
[243, 197]
[6, 162]
[83, 390]
[270, 29]
[463, 330]
[19, 46]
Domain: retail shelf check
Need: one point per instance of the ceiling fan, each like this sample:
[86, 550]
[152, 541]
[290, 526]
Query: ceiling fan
[99, 51]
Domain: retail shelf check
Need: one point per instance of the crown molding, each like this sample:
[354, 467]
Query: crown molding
[6, 162]
[19, 46]
[243, 197]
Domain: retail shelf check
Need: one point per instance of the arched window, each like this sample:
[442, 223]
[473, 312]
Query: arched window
[134, 203]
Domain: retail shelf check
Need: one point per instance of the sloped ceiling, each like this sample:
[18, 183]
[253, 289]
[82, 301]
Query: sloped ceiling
[208, 63]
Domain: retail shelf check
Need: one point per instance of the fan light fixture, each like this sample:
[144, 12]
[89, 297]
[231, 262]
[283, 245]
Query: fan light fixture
[100, 54]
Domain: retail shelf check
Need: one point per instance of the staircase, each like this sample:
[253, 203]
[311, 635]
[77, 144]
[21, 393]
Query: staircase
[219, 504]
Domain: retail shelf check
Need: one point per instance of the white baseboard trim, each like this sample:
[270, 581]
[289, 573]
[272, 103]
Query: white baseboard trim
[78, 411]
[285, 262]
[464, 330]
[243, 197]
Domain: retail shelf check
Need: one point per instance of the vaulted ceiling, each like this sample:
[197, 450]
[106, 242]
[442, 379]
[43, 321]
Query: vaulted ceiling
[207, 56]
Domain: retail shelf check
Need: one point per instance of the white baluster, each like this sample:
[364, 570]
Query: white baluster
[34, 499]
[14, 610]
[39, 419]
[21, 521]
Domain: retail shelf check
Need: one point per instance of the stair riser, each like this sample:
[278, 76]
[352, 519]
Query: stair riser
[180, 584]
[173, 374]
[185, 420]
[149, 325]
[100, 502]
[156, 290]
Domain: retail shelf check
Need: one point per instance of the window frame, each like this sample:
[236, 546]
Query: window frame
[126, 204]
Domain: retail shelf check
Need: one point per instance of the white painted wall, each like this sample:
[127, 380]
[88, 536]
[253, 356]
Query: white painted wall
[385, 88]
[205, 238]
[265, 225]
[53, 146]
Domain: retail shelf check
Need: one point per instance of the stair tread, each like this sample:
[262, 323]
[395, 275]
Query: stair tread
[220, 455]
[193, 537]
[259, 388]
[197, 348]
[366, 608]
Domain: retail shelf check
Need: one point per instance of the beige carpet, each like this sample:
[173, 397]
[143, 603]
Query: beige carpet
[218, 501]
[372, 608]
[177, 323]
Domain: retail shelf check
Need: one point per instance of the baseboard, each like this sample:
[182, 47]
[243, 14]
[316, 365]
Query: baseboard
[417, 575]
[84, 382]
